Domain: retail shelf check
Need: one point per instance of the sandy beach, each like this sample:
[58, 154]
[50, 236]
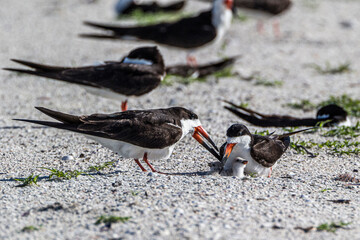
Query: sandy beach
[195, 204]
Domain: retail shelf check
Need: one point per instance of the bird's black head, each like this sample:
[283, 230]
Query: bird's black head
[184, 113]
[237, 130]
[240, 160]
[151, 54]
[332, 112]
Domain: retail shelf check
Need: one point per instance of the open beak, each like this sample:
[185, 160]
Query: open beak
[199, 135]
[228, 150]
[229, 4]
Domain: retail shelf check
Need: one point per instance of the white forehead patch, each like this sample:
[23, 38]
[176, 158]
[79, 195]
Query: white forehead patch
[137, 61]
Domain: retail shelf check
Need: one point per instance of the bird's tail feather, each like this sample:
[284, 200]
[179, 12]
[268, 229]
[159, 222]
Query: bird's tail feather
[62, 117]
[39, 67]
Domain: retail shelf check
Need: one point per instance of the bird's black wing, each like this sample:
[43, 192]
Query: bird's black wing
[123, 78]
[148, 129]
[262, 120]
[266, 151]
[188, 32]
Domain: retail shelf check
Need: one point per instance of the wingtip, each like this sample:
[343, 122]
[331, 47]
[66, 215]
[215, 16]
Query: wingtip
[96, 36]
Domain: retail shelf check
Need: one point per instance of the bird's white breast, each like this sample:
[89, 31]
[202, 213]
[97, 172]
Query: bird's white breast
[221, 20]
[242, 149]
[128, 150]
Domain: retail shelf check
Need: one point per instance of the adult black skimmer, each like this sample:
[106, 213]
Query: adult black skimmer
[333, 113]
[147, 134]
[187, 33]
[138, 73]
[200, 71]
[261, 152]
[128, 6]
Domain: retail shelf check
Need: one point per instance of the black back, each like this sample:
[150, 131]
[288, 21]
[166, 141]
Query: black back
[156, 129]
[123, 78]
[191, 32]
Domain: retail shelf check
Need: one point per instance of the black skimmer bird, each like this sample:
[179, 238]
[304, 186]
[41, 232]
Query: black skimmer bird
[332, 113]
[138, 73]
[273, 7]
[200, 71]
[187, 33]
[261, 152]
[128, 6]
[238, 168]
[147, 134]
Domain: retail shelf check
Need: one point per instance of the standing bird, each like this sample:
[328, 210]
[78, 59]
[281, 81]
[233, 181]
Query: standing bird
[150, 134]
[187, 33]
[128, 6]
[261, 152]
[332, 113]
[138, 73]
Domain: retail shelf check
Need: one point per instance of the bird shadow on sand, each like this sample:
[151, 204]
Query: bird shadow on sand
[20, 127]
[116, 172]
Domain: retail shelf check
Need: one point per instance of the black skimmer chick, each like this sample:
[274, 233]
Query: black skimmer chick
[200, 71]
[237, 170]
[128, 6]
[261, 152]
[332, 113]
[187, 33]
[138, 73]
[147, 134]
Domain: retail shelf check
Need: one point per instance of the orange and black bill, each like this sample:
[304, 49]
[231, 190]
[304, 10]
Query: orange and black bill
[199, 135]
[228, 150]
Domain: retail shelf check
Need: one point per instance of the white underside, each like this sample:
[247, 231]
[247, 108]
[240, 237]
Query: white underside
[238, 170]
[252, 167]
[346, 123]
[128, 150]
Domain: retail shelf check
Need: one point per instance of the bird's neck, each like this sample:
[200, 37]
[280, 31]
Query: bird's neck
[221, 19]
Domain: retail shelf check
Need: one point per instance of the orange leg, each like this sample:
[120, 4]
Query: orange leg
[138, 163]
[270, 172]
[260, 26]
[276, 28]
[124, 106]
[191, 61]
[147, 162]
[151, 167]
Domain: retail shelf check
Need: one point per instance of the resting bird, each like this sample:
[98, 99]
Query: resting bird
[148, 134]
[140, 72]
[334, 114]
[187, 33]
[261, 152]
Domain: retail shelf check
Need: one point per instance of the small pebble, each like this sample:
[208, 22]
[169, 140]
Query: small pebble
[67, 158]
